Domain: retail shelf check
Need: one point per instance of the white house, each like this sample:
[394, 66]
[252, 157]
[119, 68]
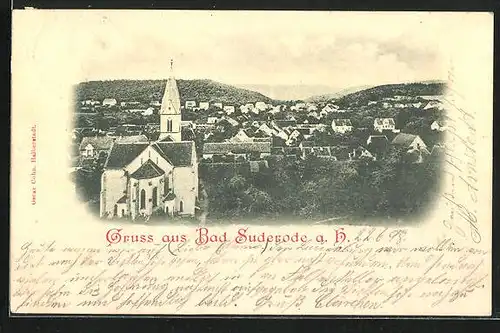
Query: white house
[190, 104]
[212, 120]
[381, 124]
[435, 126]
[149, 111]
[204, 105]
[300, 106]
[341, 125]
[261, 106]
[93, 146]
[109, 102]
[228, 109]
[218, 105]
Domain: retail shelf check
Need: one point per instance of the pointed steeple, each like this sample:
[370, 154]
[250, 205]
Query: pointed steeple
[171, 103]
[171, 67]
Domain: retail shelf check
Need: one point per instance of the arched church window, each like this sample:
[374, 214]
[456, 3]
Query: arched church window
[181, 206]
[155, 197]
[143, 199]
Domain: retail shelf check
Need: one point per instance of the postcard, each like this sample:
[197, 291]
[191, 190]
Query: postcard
[176, 162]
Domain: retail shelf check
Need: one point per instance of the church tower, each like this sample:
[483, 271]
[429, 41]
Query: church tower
[170, 111]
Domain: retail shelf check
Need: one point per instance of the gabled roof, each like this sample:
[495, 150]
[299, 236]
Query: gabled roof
[404, 139]
[122, 199]
[98, 142]
[147, 170]
[179, 154]
[121, 154]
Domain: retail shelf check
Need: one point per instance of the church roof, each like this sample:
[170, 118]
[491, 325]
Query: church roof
[171, 102]
[147, 170]
[177, 153]
[122, 199]
[121, 154]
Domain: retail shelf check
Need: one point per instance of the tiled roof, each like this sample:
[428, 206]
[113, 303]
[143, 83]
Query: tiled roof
[243, 147]
[403, 139]
[147, 170]
[177, 153]
[98, 142]
[121, 154]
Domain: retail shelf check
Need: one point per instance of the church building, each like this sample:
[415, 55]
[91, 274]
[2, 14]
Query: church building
[146, 178]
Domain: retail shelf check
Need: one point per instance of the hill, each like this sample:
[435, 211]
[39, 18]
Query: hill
[390, 90]
[325, 98]
[148, 90]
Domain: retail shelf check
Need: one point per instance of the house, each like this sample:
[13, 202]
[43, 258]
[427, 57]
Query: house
[228, 109]
[261, 106]
[95, 146]
[294, 137]
[145, 178]
[109, 102]
[264, 128]
[148, 111]
[314, 114]
[218, 105]
[132, 139]
[212, 120]
[433, 105]
[190, 104]
[204, 105]
[311, 107]
[247, 150]
[243, 135]
[231, 121]
[377, 144]
[155, 103]
[341, 125]
[436, 126]
[329, 108]
[300, 106]
[381, 124]
[362, 153]
[409, 142]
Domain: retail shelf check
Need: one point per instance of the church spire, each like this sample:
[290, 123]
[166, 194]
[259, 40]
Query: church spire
[171, 67]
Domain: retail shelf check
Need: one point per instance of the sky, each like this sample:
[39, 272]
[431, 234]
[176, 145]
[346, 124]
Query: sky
[327, 49]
